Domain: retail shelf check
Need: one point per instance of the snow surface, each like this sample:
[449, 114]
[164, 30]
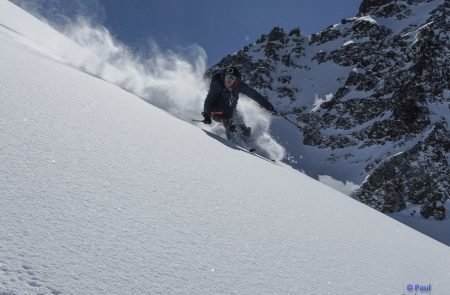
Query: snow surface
[103, 193]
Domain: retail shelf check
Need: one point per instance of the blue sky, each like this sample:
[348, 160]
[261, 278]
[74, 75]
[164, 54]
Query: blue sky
[220, 27]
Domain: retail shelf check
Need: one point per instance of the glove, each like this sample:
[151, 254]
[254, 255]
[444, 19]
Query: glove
[207, 119]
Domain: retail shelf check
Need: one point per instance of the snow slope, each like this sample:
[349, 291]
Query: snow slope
[103, 193]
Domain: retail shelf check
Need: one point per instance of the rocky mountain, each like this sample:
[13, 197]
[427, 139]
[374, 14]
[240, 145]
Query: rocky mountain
[371, 95]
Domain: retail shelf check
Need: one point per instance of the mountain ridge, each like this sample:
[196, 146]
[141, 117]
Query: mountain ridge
[372, 93]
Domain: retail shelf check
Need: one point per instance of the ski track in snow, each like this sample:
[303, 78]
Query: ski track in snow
[13, 273]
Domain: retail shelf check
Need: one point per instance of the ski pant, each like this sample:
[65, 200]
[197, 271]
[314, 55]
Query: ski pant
[233, 124]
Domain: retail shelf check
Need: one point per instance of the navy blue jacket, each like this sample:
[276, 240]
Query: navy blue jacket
[220, 99]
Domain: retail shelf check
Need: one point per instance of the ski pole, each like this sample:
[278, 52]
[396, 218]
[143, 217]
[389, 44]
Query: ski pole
[290, 121]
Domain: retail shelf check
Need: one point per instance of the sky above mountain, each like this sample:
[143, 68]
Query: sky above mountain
[219, 27]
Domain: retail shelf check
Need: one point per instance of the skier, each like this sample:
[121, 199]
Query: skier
[221, 101]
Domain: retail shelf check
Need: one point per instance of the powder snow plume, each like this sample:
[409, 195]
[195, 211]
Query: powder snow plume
[171, 80]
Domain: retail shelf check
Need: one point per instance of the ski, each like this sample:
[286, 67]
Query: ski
[238, 142]
[253, 151]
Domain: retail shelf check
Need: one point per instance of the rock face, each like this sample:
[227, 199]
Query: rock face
[373, 93]
[370, 5]
[419, 175]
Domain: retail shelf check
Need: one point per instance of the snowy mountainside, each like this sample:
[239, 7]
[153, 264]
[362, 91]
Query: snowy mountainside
[370, 97]
[103, 193]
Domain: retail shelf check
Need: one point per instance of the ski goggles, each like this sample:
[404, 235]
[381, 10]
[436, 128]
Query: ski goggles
[230, 71]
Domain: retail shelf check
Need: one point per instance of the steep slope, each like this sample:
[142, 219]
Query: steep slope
[102, 193]
[371, 98]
